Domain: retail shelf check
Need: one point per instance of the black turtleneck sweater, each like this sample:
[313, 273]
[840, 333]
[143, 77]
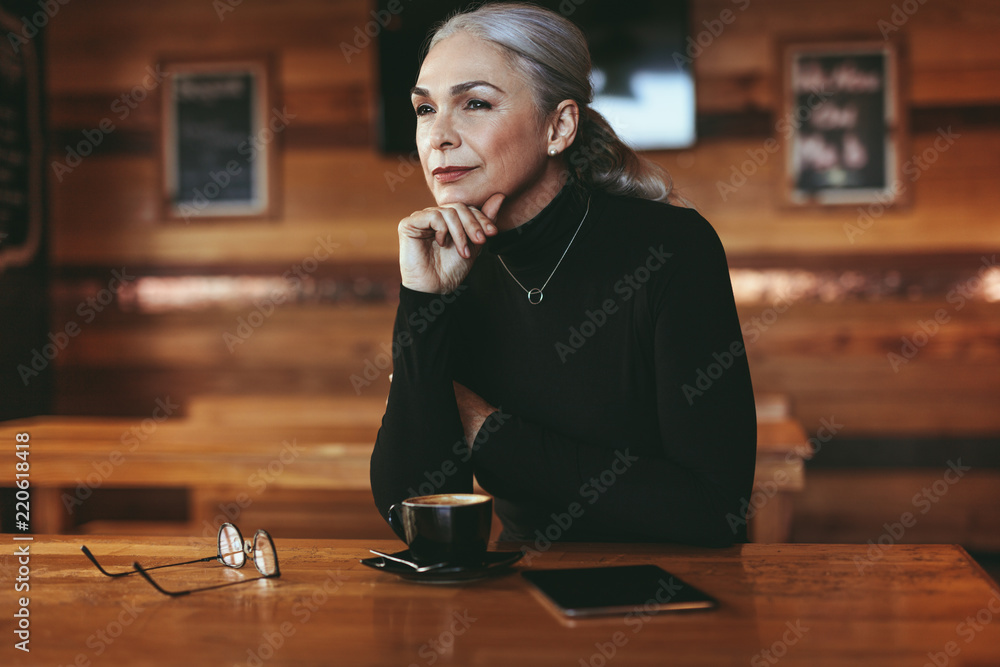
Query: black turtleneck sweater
[624, 405]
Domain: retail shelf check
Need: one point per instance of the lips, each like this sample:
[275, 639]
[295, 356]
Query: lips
[450, 174]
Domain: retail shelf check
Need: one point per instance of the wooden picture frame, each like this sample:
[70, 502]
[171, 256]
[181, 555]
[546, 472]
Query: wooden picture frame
[842, 122]
[220, 139]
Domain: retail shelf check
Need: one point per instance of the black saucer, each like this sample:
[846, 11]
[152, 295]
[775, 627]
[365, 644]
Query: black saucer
[493, 561]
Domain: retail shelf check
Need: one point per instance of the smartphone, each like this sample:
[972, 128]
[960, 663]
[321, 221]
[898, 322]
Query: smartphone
[594, 591]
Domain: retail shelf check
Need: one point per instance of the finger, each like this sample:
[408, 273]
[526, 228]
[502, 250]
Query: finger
[461, 226]
[429, 223]
[485, 223]
[422, 225]
[491, 207]
[475, 223]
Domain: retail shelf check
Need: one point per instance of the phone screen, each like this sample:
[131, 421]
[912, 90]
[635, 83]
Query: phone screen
[617, 589]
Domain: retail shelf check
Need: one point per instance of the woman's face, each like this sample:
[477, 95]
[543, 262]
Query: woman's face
[478, 131]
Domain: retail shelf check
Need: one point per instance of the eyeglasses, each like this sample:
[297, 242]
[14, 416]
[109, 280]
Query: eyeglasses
[232, 552]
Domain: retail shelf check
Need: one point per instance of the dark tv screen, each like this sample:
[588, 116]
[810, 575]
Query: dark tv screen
[641, 69]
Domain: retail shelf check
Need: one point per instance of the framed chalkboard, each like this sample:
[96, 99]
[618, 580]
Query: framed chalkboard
[221, 132]
[21, 147]
[843, 123]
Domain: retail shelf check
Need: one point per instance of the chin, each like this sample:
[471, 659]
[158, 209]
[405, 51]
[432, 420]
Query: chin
[459, 195]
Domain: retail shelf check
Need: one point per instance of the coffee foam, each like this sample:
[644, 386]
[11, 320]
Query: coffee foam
[448, 499]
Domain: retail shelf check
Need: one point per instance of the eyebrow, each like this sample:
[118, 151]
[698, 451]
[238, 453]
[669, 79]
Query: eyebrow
[457, 89]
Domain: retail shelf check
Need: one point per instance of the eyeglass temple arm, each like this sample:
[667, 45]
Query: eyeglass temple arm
[88, 554]
[145, 575]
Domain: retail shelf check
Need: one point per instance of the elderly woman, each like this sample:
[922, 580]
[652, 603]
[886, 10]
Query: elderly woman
[563, 334]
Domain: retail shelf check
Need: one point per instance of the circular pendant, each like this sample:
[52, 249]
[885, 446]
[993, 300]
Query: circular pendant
[535, 296]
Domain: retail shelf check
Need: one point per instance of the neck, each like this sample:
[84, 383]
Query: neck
[529, 202]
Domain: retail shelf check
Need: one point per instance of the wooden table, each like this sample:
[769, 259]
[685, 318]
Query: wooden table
[227, 466]
[793, 604]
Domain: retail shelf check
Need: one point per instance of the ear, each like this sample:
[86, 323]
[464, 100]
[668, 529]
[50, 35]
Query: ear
[563, 124]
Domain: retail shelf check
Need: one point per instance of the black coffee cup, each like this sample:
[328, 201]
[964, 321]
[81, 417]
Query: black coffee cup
[444, 528]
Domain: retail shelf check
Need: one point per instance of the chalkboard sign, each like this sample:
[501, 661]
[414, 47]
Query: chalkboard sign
[21, 147]
[220, 138]
[842, 124]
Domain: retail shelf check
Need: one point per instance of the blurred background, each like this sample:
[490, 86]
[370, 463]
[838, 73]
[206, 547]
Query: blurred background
[875, 327]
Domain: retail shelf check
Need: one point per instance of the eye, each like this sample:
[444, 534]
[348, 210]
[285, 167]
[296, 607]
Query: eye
[423, 109]
[478, 104]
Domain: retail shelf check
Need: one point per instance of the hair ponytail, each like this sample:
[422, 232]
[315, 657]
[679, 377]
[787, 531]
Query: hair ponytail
[553, 54]
[600, 159]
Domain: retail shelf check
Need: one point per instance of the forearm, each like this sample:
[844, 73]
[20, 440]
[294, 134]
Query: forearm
[620, 491]
[419, 448]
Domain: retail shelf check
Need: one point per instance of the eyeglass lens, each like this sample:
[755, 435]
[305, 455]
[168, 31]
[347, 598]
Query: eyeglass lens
[264, 556]
[231, 546]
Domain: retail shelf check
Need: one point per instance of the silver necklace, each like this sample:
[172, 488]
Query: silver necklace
[535, 294]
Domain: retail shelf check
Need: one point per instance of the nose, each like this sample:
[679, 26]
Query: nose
[443, 133]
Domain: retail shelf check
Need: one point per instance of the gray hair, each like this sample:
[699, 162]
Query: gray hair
[552, 52]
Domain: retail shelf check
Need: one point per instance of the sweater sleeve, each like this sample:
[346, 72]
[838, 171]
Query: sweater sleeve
[694, 489]
[420, 447]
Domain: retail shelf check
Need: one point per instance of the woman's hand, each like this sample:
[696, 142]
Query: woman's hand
[438, 245]
[473, 409]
